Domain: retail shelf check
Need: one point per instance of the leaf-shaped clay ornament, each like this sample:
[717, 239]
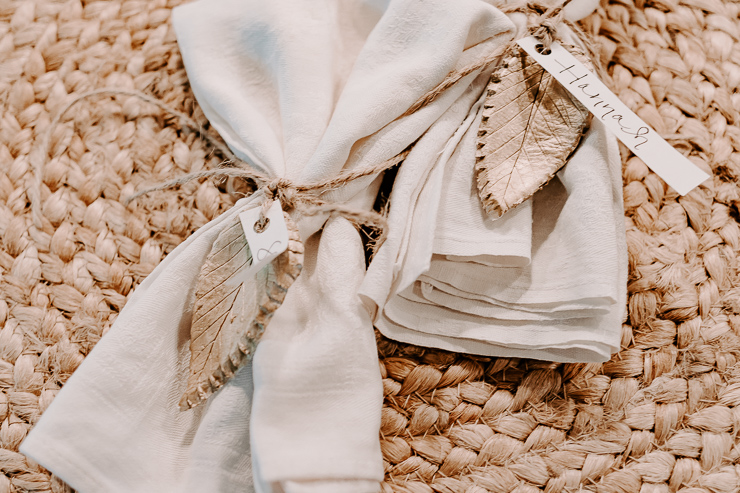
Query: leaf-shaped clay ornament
[530, 125]
[233, 306]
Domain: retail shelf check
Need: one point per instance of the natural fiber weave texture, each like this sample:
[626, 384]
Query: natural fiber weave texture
[661, 416]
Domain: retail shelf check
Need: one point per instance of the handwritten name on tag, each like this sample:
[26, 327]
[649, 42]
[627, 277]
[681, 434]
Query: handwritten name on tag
[658, 155]
[268, 243]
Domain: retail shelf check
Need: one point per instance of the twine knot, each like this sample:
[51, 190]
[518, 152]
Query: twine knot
[280, 189]
[283, 190]
[546, 32]
[543, 23]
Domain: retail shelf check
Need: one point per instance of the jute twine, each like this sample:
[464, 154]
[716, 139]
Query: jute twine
[304, 199]
[661, 416]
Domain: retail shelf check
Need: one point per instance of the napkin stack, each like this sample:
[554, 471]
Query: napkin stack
[547, 280]
[303, 89]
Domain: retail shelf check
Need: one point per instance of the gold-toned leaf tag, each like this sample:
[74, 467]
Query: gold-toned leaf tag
[233, 307]
[529, 127]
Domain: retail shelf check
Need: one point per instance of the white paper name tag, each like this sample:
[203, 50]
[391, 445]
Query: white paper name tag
[271, 241]
[658, 155]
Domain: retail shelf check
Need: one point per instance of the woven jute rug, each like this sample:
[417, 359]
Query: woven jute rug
[662, 416]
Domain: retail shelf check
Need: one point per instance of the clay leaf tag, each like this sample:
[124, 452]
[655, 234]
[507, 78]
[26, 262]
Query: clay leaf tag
[233, 305]
[529, 127]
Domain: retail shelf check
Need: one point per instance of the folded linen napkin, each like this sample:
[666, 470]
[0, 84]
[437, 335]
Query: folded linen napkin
[575, 252]
[567, 304]
[547, 280]
[300, 89]
[464, 232]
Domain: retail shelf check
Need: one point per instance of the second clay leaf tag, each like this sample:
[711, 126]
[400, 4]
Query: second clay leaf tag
[530, 125]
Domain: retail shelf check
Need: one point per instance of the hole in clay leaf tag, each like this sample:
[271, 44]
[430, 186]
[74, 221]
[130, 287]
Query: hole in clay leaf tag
[267, 242]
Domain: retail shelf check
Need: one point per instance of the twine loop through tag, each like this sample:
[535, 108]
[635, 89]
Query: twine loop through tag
[544, 25]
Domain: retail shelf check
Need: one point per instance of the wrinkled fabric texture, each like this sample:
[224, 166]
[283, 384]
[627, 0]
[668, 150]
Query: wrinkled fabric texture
[547, 280]
[299, 89]
[566, 304]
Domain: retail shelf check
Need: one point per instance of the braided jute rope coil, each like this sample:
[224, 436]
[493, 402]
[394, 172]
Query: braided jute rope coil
[661, 416]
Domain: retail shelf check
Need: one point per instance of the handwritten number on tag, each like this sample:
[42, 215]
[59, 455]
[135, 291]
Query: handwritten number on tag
[275, 248]
[268, 236]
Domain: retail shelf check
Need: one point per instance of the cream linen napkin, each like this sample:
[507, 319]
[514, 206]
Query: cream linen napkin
[464, 232]
[566, 305]
[547, 280]
[536, 288]
[300, 89]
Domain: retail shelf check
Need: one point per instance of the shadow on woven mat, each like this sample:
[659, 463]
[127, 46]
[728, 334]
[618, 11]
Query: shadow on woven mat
[660, 417]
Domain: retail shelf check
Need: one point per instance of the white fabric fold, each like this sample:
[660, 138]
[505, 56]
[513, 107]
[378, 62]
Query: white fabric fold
[318, 369]
[116, 425]
[464, 232]
[566, 305]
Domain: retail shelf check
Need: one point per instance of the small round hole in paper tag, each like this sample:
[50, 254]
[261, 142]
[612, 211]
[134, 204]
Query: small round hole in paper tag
[542, 50]
[261, 226]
